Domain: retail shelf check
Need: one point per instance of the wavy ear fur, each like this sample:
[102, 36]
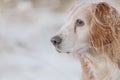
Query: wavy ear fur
[102, 12]
[105, 31]
[105, 22]
[105, 14]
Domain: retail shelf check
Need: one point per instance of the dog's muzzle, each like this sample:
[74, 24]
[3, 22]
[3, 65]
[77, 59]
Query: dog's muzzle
[56, 40]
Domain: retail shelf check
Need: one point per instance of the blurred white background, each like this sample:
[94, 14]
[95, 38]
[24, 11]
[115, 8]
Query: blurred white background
[26, 53]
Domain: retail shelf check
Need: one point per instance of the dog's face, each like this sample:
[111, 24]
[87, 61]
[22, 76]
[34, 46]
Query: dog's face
[74, 35]
[89, 26]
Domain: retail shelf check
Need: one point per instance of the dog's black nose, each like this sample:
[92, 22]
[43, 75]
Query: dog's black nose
[56, 40]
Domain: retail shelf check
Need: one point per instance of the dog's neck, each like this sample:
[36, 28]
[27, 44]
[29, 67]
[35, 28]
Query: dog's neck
[99, 67]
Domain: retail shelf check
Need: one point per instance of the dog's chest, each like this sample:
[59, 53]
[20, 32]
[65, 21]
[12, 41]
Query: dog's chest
[102, 68]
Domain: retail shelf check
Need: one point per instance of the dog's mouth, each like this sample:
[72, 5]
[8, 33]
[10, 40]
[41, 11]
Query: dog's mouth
[60, 51]
[80, 50]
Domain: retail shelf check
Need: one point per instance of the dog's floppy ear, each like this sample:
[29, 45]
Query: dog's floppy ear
[104, 13]
[104, 18]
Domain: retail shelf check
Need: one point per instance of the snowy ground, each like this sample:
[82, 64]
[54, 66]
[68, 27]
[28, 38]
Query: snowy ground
[25, 49]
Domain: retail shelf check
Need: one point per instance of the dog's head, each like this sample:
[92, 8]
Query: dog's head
[88, 26]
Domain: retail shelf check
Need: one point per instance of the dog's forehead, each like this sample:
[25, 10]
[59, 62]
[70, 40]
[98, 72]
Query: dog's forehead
[79, 12]
[82, 12]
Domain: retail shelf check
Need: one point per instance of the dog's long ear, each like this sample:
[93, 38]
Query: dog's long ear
[104, 18]
[105, 30]
[104, 13]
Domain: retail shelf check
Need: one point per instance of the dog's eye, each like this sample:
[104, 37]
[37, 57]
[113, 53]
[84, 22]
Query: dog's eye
[79, 23]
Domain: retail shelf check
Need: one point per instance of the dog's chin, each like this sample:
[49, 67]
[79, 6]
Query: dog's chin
[80, 50]
[60, 51]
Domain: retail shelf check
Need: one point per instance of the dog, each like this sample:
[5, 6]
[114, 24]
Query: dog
[93, 32]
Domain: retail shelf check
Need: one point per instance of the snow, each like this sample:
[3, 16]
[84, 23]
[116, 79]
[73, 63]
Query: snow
[25, 49]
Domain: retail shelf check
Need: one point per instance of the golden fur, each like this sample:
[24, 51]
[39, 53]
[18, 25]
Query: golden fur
[104, 30]
[105, 43]
[97, 40]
